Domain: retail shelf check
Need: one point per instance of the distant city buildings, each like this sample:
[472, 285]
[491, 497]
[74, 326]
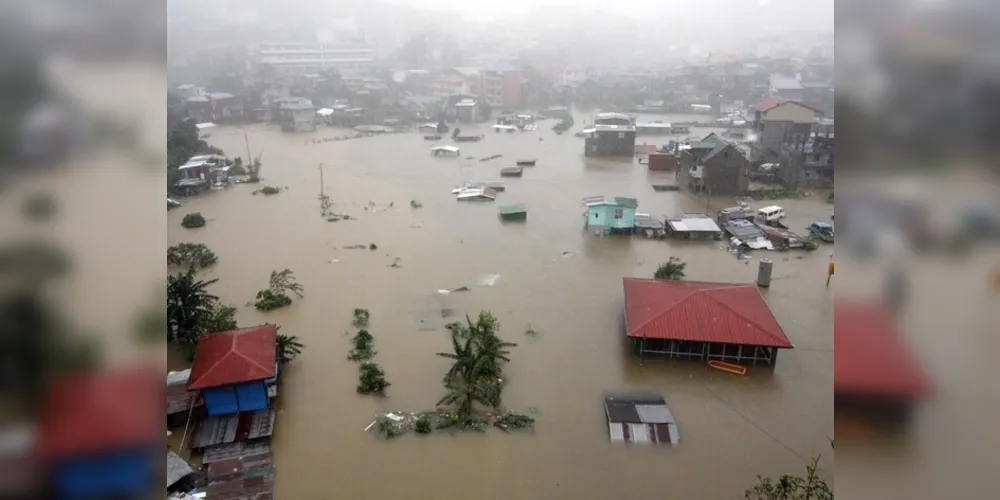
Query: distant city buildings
[351, 60]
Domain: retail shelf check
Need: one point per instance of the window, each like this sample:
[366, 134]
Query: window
[619, 213]
[621, 135]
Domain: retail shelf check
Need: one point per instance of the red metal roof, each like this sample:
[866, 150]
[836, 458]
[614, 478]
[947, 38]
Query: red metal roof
[105, 411]
[872, 359]
[769, 103]
[700, 312]
[233, 357]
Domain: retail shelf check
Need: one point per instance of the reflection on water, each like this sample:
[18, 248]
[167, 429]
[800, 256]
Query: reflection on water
[551, 274]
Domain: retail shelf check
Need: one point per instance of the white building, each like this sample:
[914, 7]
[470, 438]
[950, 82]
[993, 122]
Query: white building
[352, 60]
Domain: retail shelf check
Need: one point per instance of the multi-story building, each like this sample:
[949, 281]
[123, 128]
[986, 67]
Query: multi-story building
[713, 166]
[498, 85]
[351, 60]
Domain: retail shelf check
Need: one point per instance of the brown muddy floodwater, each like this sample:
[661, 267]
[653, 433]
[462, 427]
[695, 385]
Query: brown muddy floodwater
[732, 428]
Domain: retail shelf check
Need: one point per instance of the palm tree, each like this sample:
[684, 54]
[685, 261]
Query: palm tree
[672, 269]
[477, 354]
[189, 306]
[284, 281]
[288, 347]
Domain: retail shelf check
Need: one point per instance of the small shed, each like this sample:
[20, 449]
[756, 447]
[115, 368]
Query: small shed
[511, 171]
[99, 432]
[611, 213]
[233, 369]
[514, 212]
[689, 226]
[640, 418]
[662, 161]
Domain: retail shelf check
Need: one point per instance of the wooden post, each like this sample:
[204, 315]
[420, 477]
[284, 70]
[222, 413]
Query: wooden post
[246, 140]
[829, 272]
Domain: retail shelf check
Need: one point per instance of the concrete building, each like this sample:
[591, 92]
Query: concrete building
[613, 134]
[449, 84]
[297, 114]
[778, 121]
[786, 87]
[714, 166]
[499, 85]
[466, 111]
[352, 60]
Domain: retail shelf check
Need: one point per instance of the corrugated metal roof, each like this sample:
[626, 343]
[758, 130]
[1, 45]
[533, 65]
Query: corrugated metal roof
[179, 399]
[768, 103]
[696, 223]
[639, 418]
[247, 478]
[513, 209]
[236, 356]
[872, 358]
[700, 312]
[626, 202]
[229, 451]
[104, 411]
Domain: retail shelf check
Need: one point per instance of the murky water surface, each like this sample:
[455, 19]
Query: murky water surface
[566, 284]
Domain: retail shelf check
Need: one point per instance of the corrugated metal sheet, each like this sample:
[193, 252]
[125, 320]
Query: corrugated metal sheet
[722, 313]
[238, 449]
[245, 478]
[639, 418]
[180, 400]
[177, 468]
[230, 428]
[654, 414]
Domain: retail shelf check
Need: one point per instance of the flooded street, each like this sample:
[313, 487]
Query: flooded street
[566, 284]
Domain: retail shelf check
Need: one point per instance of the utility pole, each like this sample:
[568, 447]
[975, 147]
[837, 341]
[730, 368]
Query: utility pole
[322, 194]
[247, 142]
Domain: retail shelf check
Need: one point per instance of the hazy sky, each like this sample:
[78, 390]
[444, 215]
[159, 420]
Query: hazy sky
[820, 10]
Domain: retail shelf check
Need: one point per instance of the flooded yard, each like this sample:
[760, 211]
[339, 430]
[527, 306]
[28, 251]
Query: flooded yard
[546, 272]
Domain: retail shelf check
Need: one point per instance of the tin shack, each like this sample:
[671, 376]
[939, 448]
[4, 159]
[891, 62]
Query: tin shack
[610, 214]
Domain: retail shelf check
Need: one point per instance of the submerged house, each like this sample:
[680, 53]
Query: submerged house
[610, 214]
[715, 166]
[878, 382]
[613, 134]
[234, 371]
[101, 434]
[704, 321]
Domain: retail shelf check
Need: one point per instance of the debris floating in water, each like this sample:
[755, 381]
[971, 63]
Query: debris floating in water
[489, 279]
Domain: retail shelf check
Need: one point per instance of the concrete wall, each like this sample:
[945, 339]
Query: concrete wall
[790, 112]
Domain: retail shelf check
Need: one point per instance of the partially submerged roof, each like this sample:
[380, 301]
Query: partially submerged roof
[872, 358]
[640, 418]
[768, 103]
[234, 357]
[724, 313]
[517, 208]
[694, 223]
[450, 149]
[619, 201]
[106, 411]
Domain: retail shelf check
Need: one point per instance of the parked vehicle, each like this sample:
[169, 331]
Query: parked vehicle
[822, 230]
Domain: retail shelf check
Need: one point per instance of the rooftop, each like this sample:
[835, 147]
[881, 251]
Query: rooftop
[724, 313]
[872, 358]
[100, 412]
[233, 357]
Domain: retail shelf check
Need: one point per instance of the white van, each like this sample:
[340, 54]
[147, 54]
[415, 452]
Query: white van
[772, 213]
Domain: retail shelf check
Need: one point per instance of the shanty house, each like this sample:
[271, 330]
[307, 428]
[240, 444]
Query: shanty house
[233, 369]
[100, 434]
[705, 321]
[878, 379]
[715, 166]
[609, 214]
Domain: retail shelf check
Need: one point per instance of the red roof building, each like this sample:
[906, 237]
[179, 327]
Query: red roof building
[102, 412]
[872, 361]
[234, 357]
[685, 319]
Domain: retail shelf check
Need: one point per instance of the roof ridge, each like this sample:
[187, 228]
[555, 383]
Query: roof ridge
[244, 356]
[232, 346]
[234, 336]
[752, 322]
[665, 311]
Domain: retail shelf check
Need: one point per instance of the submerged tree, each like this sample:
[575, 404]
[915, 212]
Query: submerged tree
[363, 349]
[361, 317]
[191, 254]
[192, 311]
[371, 379]
[193, 220]
[475, 376]
[672, 269]
[288, 347]
[788, 487]
[276, 295]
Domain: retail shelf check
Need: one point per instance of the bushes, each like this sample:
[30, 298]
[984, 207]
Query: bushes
[276, 296]
[191, 254]
[193, 220]
[268, 190]
[269, 301]
[371, 379]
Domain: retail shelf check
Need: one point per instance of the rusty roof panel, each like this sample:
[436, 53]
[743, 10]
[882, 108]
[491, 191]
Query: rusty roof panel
[238, 449]
[232, 428]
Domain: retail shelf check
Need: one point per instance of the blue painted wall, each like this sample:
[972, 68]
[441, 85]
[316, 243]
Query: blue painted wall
[251, 396]
[104, 476]
[220, 400]
[605, 216]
